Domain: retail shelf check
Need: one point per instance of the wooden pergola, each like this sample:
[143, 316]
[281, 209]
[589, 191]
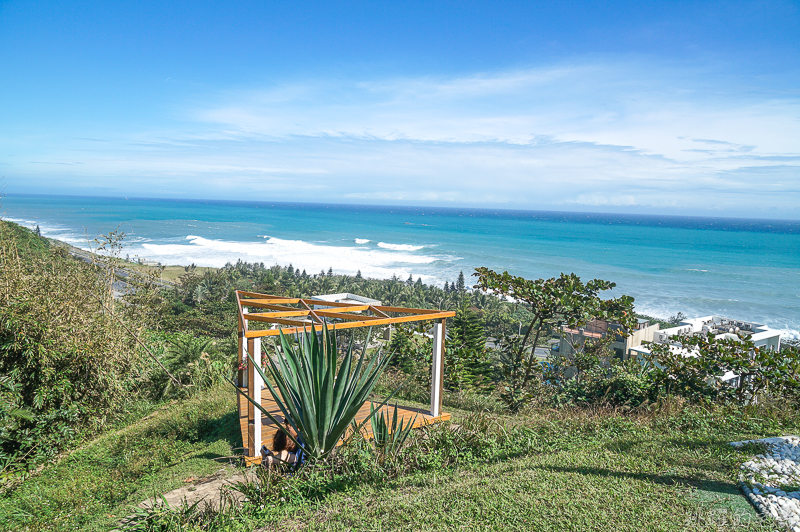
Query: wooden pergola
[295, 315]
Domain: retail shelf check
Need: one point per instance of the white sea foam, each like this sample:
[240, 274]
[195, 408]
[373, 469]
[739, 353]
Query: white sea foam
[399, 247]
[308, 256]
[361, 241]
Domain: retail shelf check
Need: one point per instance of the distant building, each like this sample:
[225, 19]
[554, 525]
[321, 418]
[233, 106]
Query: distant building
[762, 336]
[634, 345]
[621, 345]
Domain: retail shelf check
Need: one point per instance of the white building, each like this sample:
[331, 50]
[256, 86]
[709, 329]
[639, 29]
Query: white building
[722, 328]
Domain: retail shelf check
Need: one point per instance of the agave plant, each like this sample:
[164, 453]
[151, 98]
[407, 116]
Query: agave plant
[390, 436]
[318, 400]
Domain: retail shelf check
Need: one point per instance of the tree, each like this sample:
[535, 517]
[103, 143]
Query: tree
[37, 230]
[403, 350]
[677, 318]
[446, 287]
[410, 280]
[460, 285]
[466, 363]
[563, 300]
[358, 274]
[330, 271]
[466, 330]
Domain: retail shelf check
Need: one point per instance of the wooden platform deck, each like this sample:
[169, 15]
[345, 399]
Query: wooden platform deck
[268, 428]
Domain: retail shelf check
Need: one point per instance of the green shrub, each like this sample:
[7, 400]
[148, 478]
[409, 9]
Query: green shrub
[64, 355]
[613, 383]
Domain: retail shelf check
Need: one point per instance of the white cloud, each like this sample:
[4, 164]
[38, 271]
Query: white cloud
[622, 135]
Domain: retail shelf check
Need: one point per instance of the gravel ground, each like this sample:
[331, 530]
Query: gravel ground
[772, 480]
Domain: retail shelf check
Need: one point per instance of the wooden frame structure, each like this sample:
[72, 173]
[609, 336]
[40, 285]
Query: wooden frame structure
[295, 315]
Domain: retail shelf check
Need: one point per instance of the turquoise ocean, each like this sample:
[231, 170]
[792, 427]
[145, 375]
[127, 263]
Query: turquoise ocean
[739, 268]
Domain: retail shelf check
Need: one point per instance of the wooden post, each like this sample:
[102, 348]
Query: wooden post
[242, 354]
[240, 377]
[254, 391]
[437, 368]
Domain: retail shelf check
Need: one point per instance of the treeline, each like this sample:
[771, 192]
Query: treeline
[205, 302]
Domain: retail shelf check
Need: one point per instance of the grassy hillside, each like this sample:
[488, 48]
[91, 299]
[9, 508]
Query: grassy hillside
[27, 241]
[93, 486]
[559, 470]
[108, 427]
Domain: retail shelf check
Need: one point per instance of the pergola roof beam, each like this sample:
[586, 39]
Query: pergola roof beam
[351, 325]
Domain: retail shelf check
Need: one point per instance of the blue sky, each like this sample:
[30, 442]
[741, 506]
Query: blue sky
[682, 107]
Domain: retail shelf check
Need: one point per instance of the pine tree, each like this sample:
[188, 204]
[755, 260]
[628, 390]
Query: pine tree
[403, 350]
[290, 269]
[460, 285]
[446, 288]
[410, 280]
[467, 330]
[418, 283]
[330, 271]
[38, 231]
[358, 274]
[466, 362]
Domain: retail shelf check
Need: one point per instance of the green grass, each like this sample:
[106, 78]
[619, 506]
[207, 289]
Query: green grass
[567, 470]
[96, 484]
[591, 474]
[26, 241]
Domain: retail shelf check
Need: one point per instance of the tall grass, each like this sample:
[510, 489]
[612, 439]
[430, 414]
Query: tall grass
[61, 346]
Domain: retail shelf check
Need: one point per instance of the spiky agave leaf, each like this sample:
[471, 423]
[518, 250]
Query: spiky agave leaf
[318, 401]
[390, 437]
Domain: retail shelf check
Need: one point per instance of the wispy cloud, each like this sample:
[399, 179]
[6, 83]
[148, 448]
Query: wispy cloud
[615, 134]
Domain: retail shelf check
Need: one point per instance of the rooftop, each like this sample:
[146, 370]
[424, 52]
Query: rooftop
[346, 297]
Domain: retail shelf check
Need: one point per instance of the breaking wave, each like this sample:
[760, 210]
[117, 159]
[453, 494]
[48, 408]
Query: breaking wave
[308, 256]
[399, 247]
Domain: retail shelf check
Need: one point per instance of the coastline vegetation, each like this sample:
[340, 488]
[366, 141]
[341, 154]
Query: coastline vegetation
[108, 398]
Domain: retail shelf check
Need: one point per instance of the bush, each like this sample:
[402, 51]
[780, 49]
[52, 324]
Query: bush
[196, 362]
[63, 352]
[617, 384]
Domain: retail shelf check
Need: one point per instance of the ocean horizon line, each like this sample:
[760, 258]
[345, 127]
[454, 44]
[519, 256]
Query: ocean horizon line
[683, 221]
